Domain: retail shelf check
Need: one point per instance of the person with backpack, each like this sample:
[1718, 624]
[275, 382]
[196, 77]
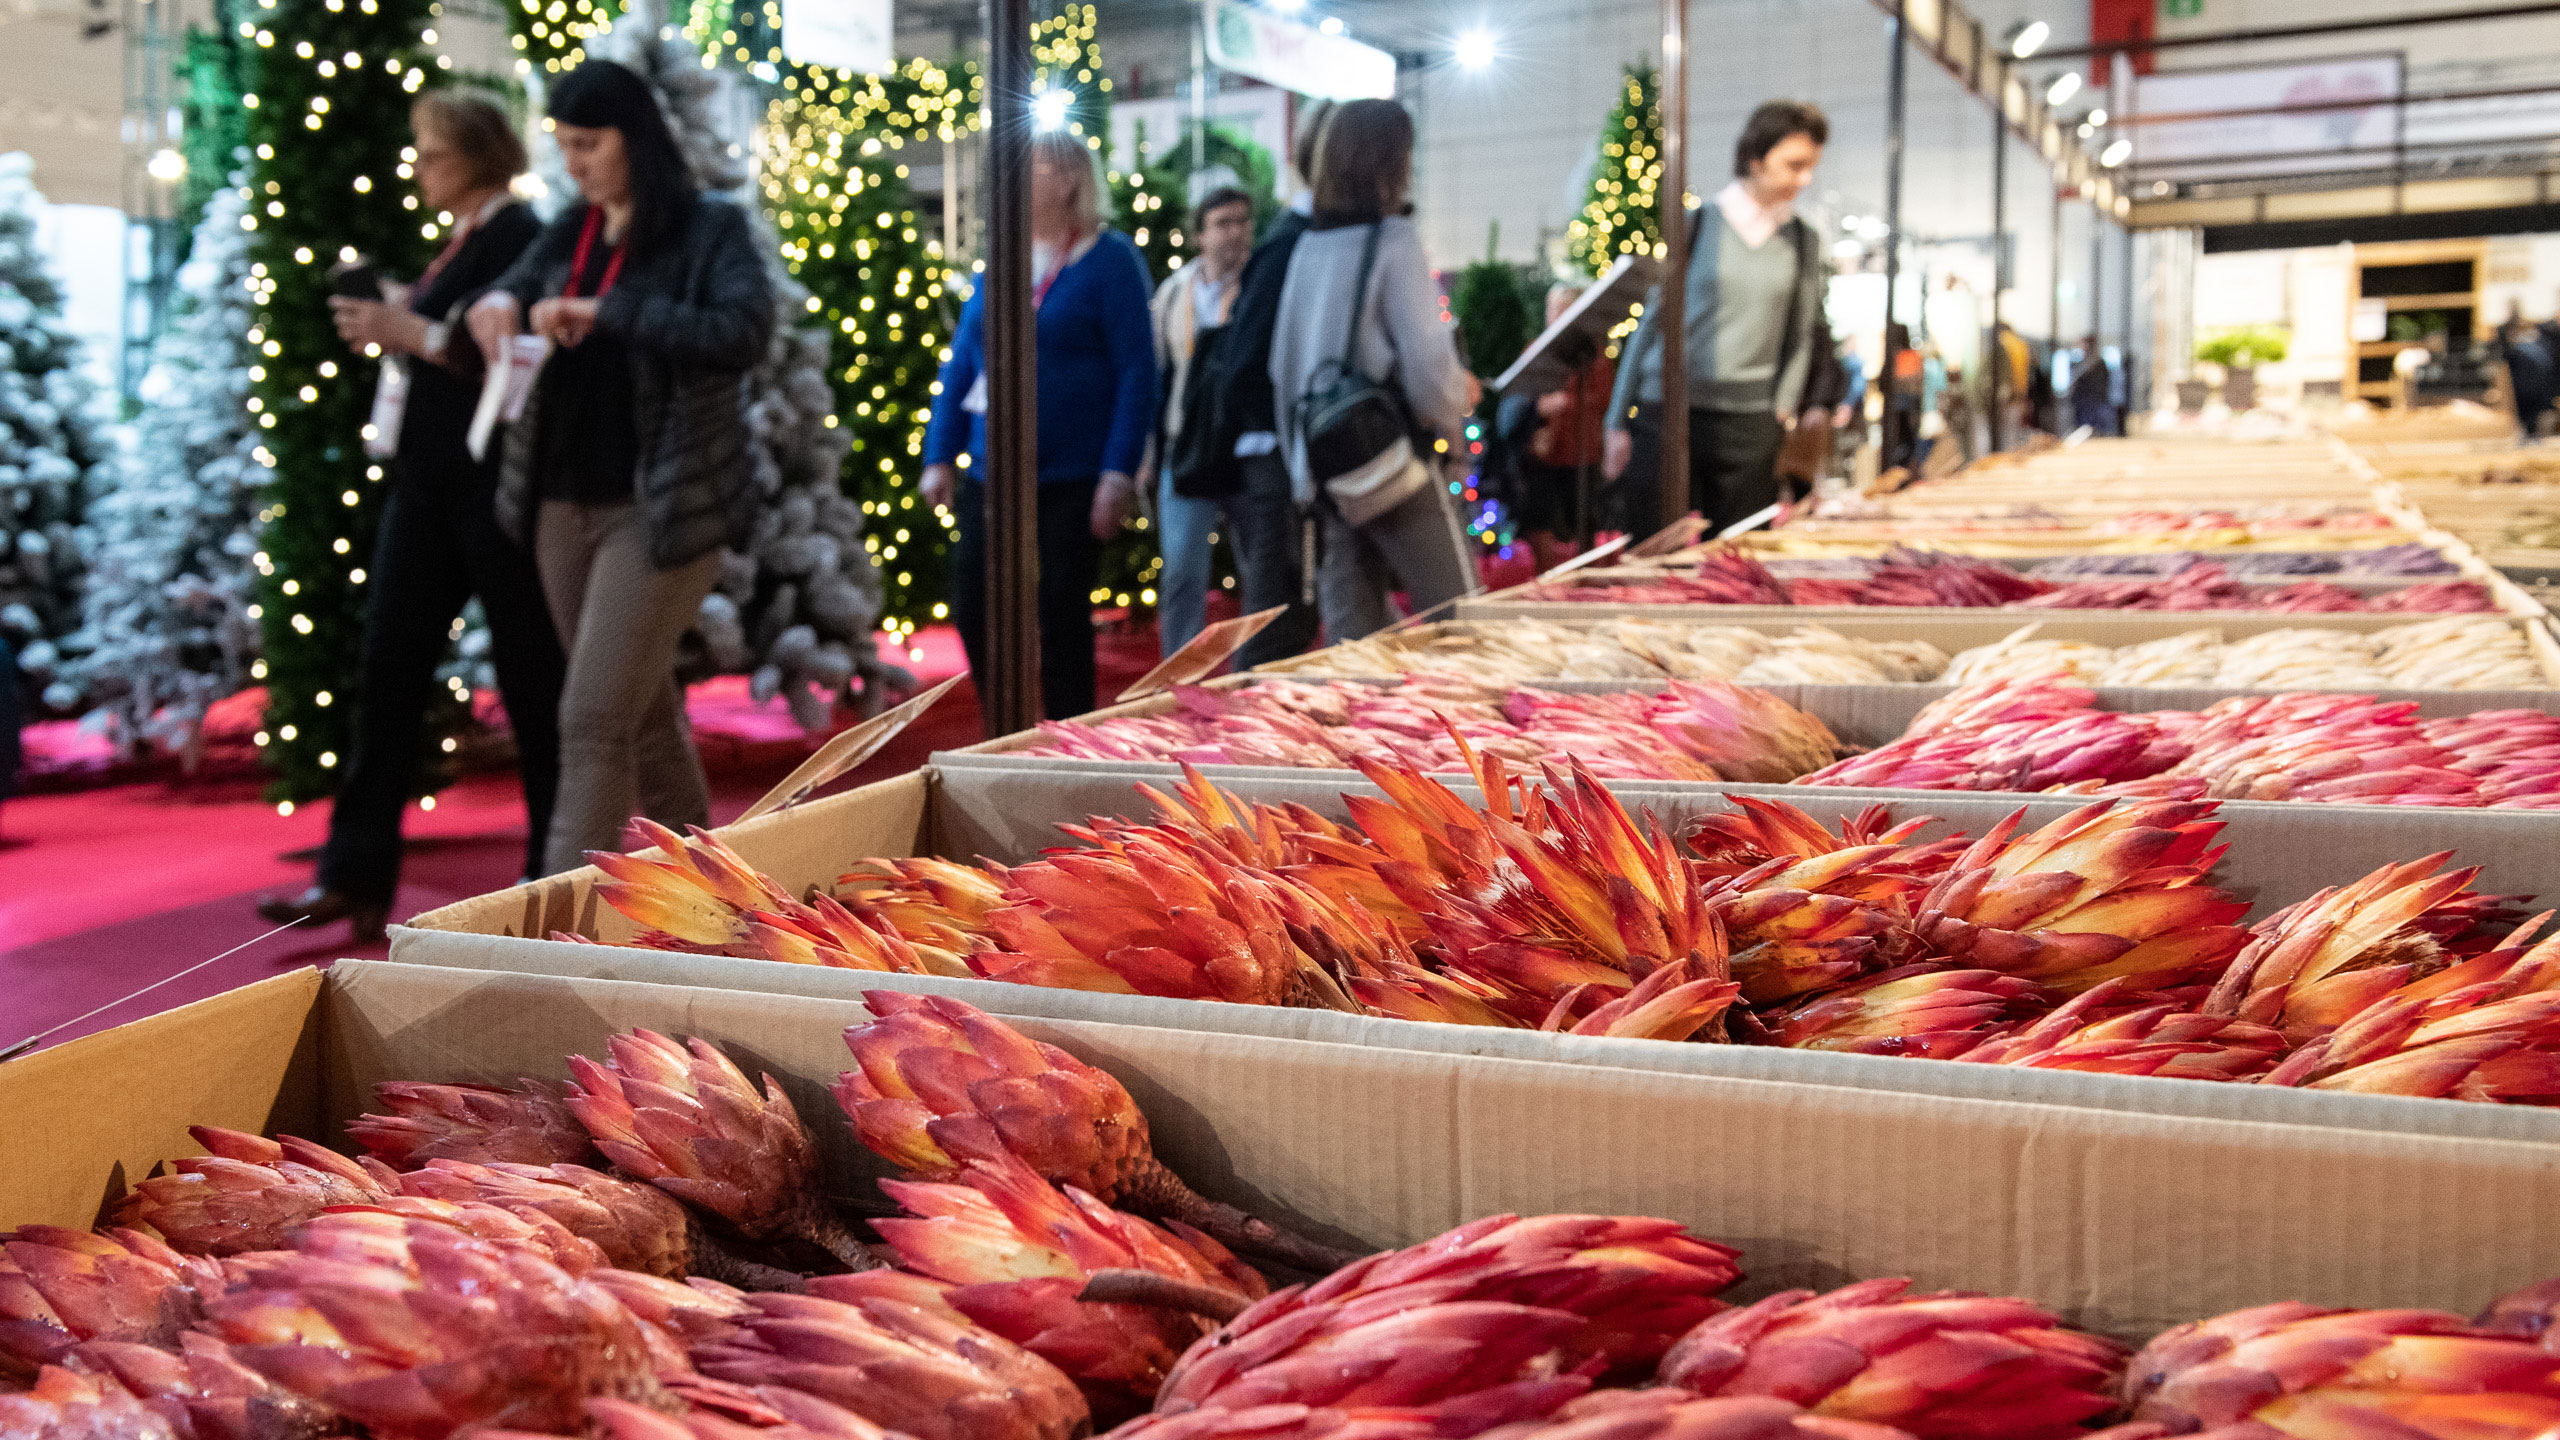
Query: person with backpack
[1370, 384]
[1755, 292]
[1191, 306]
[1227, 449]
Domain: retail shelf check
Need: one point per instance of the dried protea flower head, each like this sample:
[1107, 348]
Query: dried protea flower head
[2100, 893]
[890, 1348]
[930, 1064]
[526, 1123]
[2313, 965]
[634, 1225]
[2097, 1031]
[1667, 1414]
[415, 1330]
[72, 1405]
[61, 1287]
[2299, 1369]
[697, 898]
[198, 1382]
[248, 1193]
[1950, 1366]
[1548, 1301]
[687, 1120]
[1018, 1253]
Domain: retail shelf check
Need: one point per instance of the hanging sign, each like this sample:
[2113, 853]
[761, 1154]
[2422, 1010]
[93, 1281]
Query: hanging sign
[1297, 57]
[839, 34]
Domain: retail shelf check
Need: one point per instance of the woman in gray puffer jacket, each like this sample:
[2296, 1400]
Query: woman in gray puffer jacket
[631, 467]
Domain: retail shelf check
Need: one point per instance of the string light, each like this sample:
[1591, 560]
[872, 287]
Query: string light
[1622, 215]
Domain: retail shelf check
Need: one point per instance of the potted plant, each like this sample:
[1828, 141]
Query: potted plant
[2239, 351]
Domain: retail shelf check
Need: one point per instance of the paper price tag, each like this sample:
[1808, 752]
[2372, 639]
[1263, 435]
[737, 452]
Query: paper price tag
[1207, 651]
[845, 752]
[506, 388]
[1680, 534]
[1592, 556]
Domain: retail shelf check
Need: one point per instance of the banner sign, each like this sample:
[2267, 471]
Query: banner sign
[850, 35]
[1297, 57]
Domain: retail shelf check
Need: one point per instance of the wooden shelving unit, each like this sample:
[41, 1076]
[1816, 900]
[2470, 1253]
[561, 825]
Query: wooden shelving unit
[2441, 275]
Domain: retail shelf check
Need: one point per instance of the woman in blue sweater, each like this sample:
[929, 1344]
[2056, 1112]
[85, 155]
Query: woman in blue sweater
[1097, 364]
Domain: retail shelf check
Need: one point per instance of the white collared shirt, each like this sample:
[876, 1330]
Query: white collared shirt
[1754, 222]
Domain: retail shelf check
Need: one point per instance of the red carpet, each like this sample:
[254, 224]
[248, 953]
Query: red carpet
[103, 891]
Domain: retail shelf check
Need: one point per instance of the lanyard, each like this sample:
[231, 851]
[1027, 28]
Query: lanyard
[578, 262]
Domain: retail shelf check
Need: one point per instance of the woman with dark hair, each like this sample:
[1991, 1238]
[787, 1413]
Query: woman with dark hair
[439, 543]
[1097, 407]
[1360, 298]
[1755, 293]
[631, 467]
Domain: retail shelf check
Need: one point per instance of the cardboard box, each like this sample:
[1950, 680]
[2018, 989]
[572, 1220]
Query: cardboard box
[2124, 1222]
[963, 808]
[1953, 631]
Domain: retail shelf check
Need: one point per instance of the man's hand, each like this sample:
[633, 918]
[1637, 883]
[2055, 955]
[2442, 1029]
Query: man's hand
[566, 321]
[494, 323]
[1554, 403]
[1111, 501]
[1617, 447]
[937, 485]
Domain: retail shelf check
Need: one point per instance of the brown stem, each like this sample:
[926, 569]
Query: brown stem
[1146, 1287]
[819, 1226]
[714, 1260]
[1157, 1192]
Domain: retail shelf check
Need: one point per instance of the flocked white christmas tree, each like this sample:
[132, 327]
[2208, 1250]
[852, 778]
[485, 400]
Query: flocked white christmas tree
[51, 447]
[798, 610]
[172, 544]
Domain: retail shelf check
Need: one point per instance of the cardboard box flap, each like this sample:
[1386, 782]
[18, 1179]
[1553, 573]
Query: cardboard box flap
[2127, 1223]
[89, 1117]
[2128, 1094]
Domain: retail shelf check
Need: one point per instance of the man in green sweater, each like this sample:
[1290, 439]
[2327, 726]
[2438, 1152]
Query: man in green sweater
[1755, 297]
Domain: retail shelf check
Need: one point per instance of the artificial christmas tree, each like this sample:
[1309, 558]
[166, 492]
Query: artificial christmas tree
[327, 83]
[799, 608]
[173, 544]
[1622, 214]
[51, 450]
[836, 190]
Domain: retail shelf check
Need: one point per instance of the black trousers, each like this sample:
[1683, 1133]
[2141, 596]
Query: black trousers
[1070, 562]
[440, 545]
[1733, 469]
[1270, 562]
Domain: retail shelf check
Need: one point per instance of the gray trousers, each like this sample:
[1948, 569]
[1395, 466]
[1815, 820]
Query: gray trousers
[625, 747]
[1419, 547]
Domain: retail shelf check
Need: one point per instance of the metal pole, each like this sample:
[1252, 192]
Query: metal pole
[2097, 271]
[2053, 315]
[2131, 399]
[1010, 694]
[1995, 354]
[1672, 322]
[1893, 123]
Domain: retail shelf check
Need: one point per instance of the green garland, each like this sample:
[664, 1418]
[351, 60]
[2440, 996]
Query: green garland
[326, 81]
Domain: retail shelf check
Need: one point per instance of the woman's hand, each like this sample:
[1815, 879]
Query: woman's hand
[494, 322]
[1617, 447]
[1111, 503]
[565, 320]
[370, 322]
[937, 485]
[1475, 391]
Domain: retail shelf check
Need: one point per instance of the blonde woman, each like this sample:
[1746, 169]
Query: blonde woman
[1097, 367]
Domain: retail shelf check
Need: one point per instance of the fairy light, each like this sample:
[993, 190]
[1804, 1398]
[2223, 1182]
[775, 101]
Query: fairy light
[1622, 214]
[321, 121]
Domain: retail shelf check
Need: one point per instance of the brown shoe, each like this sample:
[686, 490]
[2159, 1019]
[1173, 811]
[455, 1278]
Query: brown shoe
[322, 906]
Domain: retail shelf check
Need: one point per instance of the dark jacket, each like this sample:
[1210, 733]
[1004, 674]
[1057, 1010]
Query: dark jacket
[1234, 376]
[437, 422]
[697, 315]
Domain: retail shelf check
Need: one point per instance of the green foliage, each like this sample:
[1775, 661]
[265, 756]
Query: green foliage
[325, 182]
[1496, 318]
[2244, 345]
[837, 192]
[216, 125]
[1623, 213]
[551, 35]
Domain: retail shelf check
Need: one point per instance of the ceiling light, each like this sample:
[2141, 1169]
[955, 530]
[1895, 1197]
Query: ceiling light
[2064, 86]
[1476, 49]
[166, 166]
[2030, 38]
[2117, 153]
[1331, 25]
[1049, 108]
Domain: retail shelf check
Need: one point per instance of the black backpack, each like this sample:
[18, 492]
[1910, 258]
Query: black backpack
[1230, 388]
[1346, 420]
